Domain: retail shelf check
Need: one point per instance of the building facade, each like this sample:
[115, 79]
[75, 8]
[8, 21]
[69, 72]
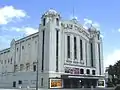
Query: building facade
[68, 55]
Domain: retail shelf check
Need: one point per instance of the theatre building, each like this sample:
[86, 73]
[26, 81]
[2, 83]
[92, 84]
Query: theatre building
[68, 55]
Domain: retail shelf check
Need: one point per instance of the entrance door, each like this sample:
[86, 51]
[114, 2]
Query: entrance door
[72, 83]
[89, 82]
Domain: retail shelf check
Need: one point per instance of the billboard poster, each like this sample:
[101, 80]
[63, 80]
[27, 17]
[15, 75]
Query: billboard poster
[55, 83]
[101, 83]
[76, 71]
[72, 70]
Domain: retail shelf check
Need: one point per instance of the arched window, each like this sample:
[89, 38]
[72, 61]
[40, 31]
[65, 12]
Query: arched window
[57, 21]
[44, 21]
[88, 71]
[81, 71]
[93, 72]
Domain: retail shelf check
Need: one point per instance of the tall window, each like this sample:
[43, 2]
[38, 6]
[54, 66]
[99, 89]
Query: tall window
[68, 46]
[86, 51]
[75, 48]
[41, 81]
[27, 66]
[44, 21]
[98, 36]
[57, 44]
[91, 45]
[43, 50]
[34, 67]
[11, 61]
[99, 58]
[57, 21]
[21, 67]
[5, 61]
[81, 50]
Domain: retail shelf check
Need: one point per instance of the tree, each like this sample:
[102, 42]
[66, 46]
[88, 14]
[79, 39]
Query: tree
[114, 72]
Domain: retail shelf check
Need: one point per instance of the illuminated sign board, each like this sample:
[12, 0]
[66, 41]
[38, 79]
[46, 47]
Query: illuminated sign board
[72, 70]
[101, 83]
[55, 83]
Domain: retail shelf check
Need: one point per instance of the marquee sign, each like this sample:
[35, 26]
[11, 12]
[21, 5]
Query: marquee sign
[72, 70]
[75, 27]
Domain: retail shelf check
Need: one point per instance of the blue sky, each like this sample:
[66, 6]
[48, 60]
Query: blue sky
[19, 18]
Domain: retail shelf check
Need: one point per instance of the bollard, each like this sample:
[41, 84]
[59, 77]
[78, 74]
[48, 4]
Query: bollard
[91, 87]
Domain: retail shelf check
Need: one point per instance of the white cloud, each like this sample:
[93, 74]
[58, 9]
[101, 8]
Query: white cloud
[6, 39]
[112, 58]
[119, 30]
[101, 36]
[88, 23]
[26, 30]
[9, 13]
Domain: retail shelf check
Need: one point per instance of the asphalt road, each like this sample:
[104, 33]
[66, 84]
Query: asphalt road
[63, 89]
[81, 89]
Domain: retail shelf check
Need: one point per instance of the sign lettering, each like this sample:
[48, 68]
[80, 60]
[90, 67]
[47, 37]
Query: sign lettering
[75, 27]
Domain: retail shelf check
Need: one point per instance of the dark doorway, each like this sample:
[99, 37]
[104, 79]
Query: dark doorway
[14, 84]
[78, 83]
[72, 83]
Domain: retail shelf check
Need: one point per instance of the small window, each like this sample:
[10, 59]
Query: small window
[19, 82]
[93, 72]
[22, 47]
[21, 67]
[44, 21]
[81, 71]
[15, 68]
[57, 21]
[88, 71]
[1, 61]
[5, 61]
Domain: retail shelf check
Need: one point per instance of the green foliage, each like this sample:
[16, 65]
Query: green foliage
[117, 88]
[114, 72]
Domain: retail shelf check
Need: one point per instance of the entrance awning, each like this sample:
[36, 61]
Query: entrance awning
[80, 76]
